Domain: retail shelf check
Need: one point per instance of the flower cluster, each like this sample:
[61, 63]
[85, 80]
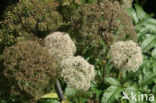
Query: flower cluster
[126, 55]
[126, 3]
[90, 31]
[77, 72]
[28, 72]
[116, 24]
[69, 2]
[123, 3]
[28, 18]
[60, 45]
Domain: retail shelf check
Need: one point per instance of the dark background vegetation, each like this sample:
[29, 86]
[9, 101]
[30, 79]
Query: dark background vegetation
[4, 4]
[148, 5]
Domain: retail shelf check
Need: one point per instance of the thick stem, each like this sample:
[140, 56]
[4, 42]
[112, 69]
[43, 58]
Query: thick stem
[104, 70]
[104, 64]
[59, 90]
[98, 2]
[120, 75]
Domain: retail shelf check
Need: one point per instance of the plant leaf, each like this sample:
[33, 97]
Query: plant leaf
[133, 15]
[66, 101]
[111, 93]
[69, 92]
[148, 79]
[112, 81]
[148, 43]
[154, 53]
[50, 95]
[140, 12]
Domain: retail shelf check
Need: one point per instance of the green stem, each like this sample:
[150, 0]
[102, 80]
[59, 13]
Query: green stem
[120, 75]
[104, 70]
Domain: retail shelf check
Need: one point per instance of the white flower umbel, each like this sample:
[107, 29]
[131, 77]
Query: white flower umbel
[60, 45]
[126, 55]
[77, 73]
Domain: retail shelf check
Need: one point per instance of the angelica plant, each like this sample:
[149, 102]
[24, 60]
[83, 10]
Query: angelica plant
[126, 55]
[77, 72]
[60, 45]
[29, 70]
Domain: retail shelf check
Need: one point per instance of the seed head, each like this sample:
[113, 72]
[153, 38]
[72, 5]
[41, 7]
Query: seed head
[60, 45]
[77, 72]
[126, 55]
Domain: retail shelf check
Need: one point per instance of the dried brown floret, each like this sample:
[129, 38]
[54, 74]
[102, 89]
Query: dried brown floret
[86, 19]
[29, 71]
[4, 4]
[117, 25]
[69, 2]
[125, 3]
[85, 28]
[27, 17]
[60, 46]
[77, 72]
[93, 23]
[126, 55]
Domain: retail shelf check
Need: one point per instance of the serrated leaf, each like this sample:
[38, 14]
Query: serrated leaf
[141, 34]
[148, 43]
[154, 53]
[69, 92]
[131, 89]
[108, 69]
[153, 62]
[142, 31]
[140, 12]
[111, 93]
[152, 21]
[151, 27]
[147, 24]
[133, 15]
[148, 79]
[112, 81]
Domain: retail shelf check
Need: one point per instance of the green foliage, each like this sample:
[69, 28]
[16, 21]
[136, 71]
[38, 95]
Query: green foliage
[29, 70]
[4, 4]
[110, 94]
[146, 28]
[112, 81]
